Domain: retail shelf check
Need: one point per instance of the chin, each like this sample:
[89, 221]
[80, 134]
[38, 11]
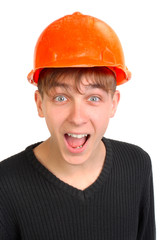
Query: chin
[76, 160]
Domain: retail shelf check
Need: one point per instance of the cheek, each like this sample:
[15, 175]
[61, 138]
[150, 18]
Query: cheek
[100, 118]
[104, 112]
[56, 118]
[53, 118]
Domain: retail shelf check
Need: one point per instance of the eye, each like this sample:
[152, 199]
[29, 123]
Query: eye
[94, 99]
[60, 99]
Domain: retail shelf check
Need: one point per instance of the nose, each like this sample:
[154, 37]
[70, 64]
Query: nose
[77, 114]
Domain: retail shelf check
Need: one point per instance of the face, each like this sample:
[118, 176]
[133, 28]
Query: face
[76, 122]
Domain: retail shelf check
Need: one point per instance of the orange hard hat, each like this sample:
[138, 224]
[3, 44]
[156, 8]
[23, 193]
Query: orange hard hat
[79, 40]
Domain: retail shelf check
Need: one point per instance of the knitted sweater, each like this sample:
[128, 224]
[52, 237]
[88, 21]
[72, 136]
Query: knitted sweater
[119, 205]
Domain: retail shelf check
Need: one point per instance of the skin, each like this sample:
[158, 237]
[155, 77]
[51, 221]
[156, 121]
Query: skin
[67, 111]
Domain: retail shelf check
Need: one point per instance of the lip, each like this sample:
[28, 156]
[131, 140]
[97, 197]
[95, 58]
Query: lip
[78, 150]
[77, 133]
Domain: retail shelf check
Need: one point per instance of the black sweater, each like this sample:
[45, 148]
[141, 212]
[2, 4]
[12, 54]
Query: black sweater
[119, 205]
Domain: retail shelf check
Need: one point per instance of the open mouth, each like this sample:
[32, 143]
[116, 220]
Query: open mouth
[76, 141]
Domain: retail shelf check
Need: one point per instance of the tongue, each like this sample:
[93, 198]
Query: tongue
[75, 142]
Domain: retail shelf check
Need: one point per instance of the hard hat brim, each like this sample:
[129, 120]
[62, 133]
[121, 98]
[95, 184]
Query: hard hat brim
[121, 76]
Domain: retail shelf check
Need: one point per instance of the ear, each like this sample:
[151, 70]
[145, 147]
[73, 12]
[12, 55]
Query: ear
[115, 101]
[38, 100]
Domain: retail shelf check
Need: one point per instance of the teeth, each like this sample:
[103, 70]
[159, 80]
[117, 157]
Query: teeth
[79, 147]
[77, 135]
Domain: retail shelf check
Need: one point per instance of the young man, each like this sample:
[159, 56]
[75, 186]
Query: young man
[77, 184]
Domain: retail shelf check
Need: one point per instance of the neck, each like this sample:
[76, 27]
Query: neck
[79, 175]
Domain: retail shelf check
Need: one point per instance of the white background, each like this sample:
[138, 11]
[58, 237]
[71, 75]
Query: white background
[137, 23]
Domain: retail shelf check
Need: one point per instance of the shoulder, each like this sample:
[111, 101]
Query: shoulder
[130, 154]
[130, 164]
[16, 173]
[129, 149]
[12, 163]
[13, 166]
[11, 170]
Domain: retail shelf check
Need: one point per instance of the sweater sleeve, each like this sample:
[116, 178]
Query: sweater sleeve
[146, 228]
[3, 234]
[8, 229]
